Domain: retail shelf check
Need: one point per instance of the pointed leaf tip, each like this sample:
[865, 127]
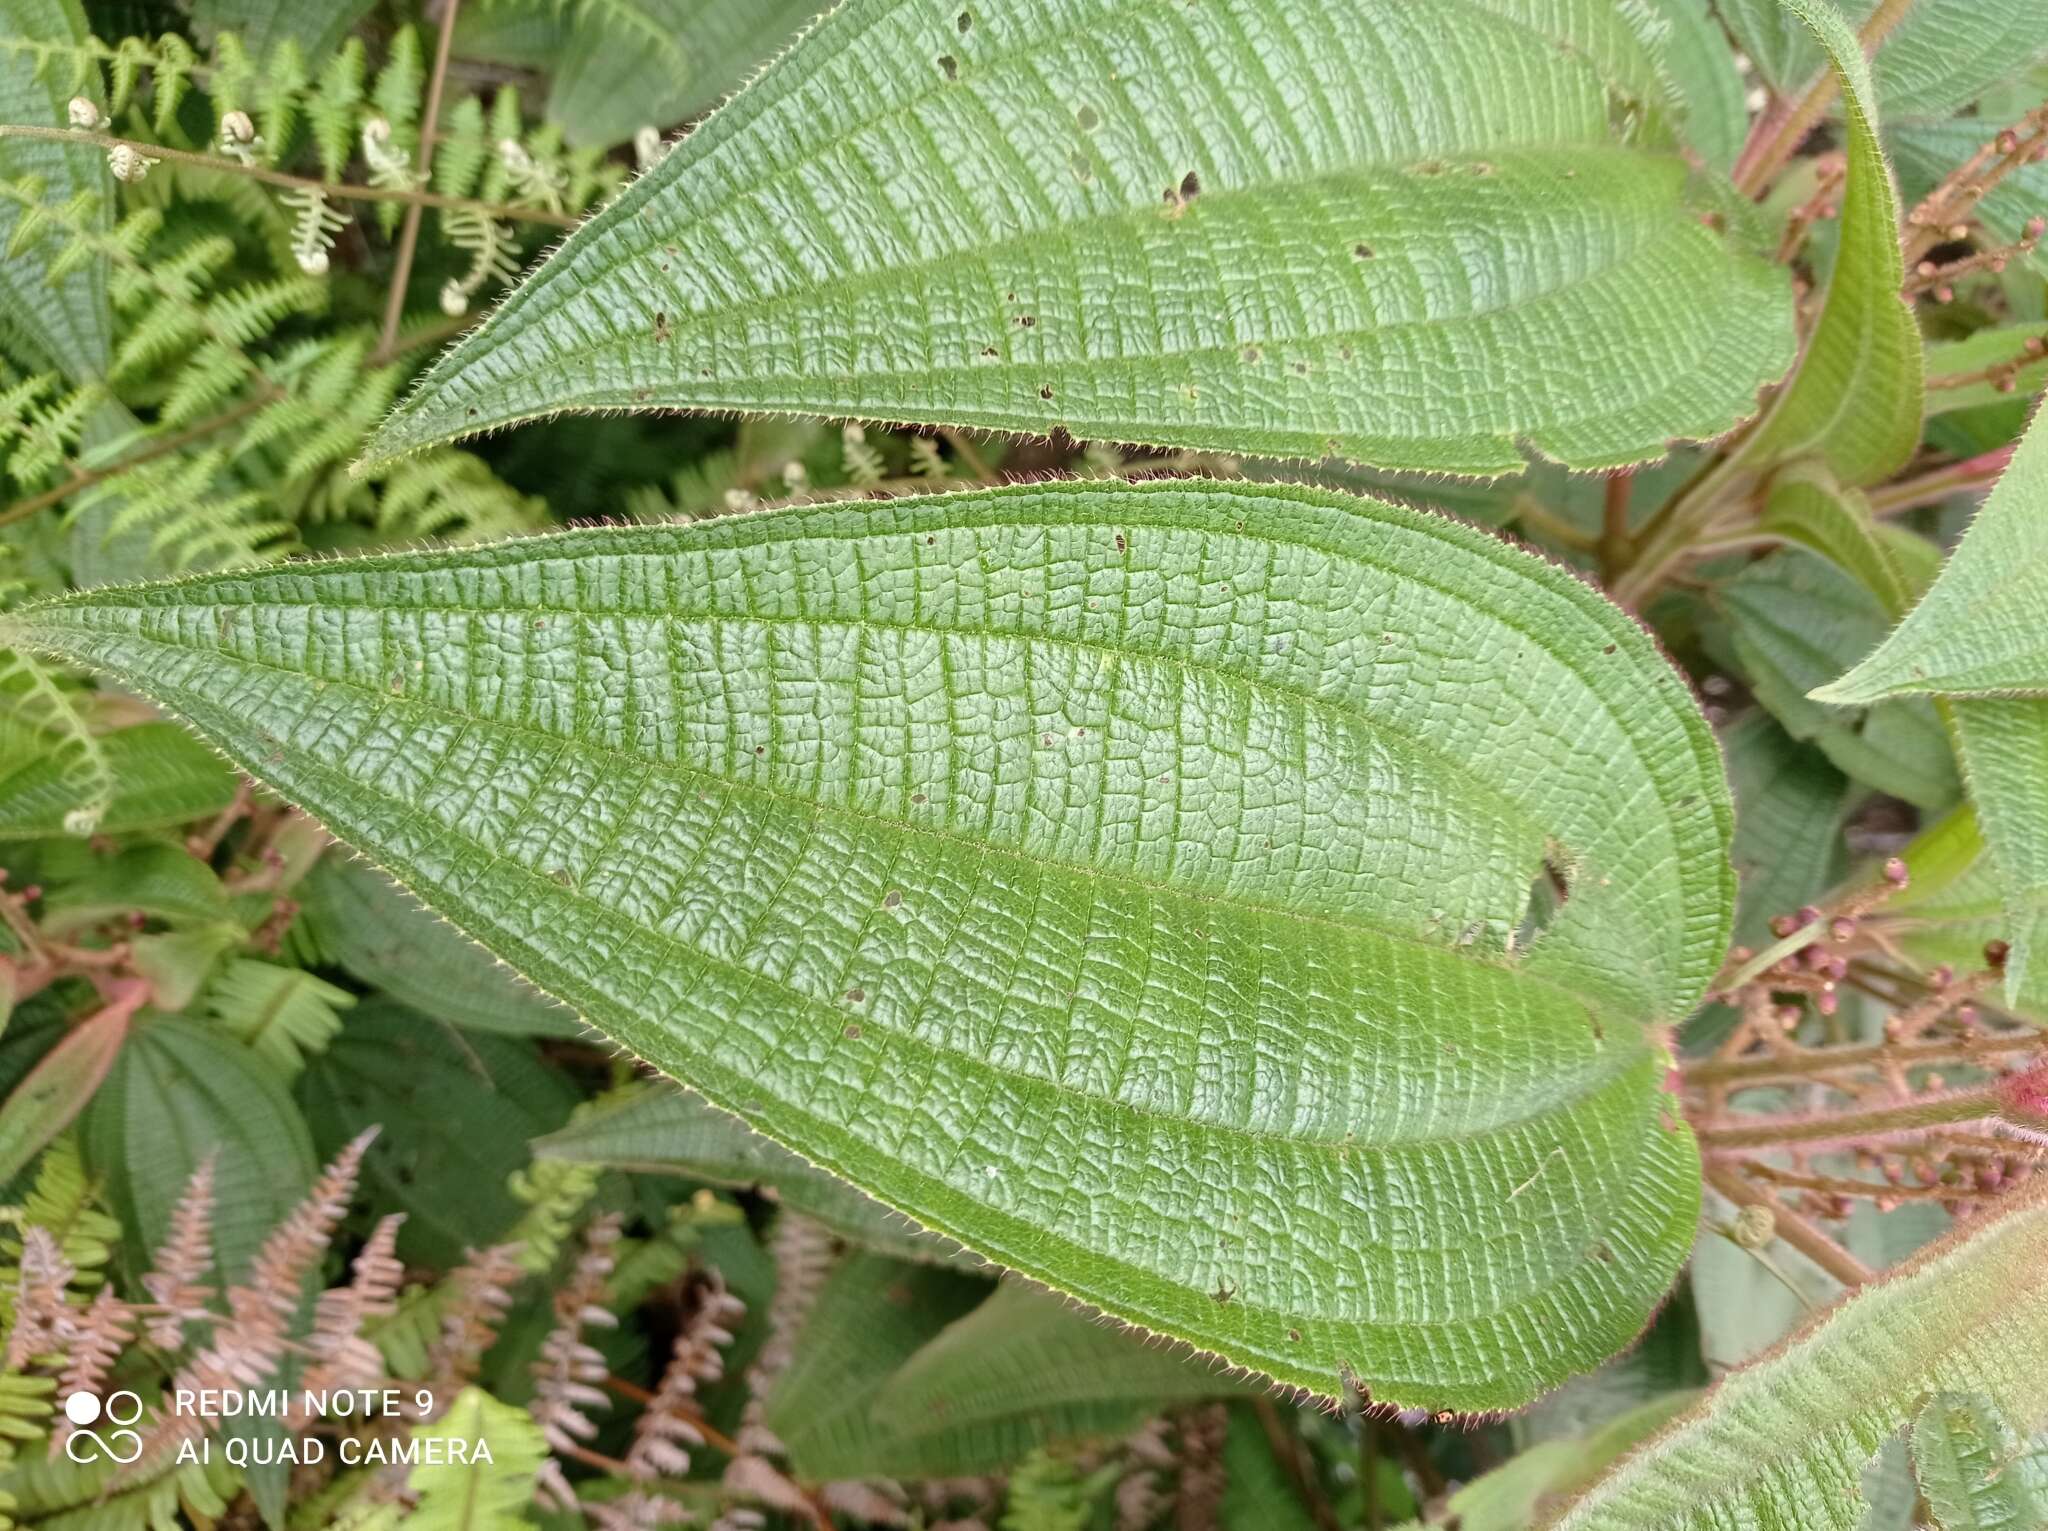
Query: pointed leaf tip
[1158, 253]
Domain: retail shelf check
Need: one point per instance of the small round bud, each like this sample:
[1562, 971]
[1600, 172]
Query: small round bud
[2036, 227]
[1755, 1227]
[454, 301]
[313, 262]
[85, 115]
[128, 164]
[1995, 954]
[235, 127]
[2008, 141]
[1841, 929]
[1808, 915]
[1827, 1002]
[1896, 874]
[1942, 976]
[377, 130]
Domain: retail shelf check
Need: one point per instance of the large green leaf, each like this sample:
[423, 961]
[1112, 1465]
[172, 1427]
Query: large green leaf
[889, 1382]
[1978, 637]
[1979, 631]
[1784, 1441]
[65, 325]
[1856, 400]
[1127, 881]
[1796, 620]
[178, 1095]
[455, 1113]
[633, 63]
[1252, 226]
[1942, 55]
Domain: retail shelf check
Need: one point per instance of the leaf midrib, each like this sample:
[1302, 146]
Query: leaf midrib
[862, 283]
[810, 807]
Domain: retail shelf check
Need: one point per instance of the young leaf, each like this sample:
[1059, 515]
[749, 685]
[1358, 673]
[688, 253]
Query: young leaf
[1783, 1442]
[1978, 632]
[1809, 508]
[1032, 216]
[58, 1088]
[1857, 396]
[1963, 1461]
[1127, 881]
[471, 1490]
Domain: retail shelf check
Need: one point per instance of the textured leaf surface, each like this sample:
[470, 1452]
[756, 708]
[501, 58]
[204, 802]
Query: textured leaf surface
[1856, 400]
[1809, 509]
[637, 63]
[1258, 226]
[1941, 56]
[1978, 637]
[1979, 631]
[1784, 1441]
[66, 325]
[1125, 882]
[906, 1382]
[666, 1131]
[1962, 1459]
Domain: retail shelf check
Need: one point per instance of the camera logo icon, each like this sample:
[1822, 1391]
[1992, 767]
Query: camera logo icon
[119, 1444]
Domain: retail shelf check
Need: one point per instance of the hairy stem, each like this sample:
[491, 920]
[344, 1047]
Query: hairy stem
[346, 191]
[1754, 1132]
[1820, 1062]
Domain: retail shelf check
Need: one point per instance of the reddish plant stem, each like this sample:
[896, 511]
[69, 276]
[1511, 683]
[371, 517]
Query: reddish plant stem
[1813, 1127]
[1817, 1063]
[1936, 485]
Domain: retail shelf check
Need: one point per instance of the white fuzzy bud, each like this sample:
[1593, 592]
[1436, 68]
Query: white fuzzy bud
[128, 163]
[454, 301]
[85, 116]
[236, 127]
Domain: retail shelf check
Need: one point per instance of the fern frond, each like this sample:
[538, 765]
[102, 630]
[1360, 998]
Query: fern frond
[341, 1359]
[453, 496]
[493, 252]
[283, 1014]
[175, 1280]
[315, 222]
[335, 107]
[569, 1374]
[30, 693]
[41, 421]
[194, 520]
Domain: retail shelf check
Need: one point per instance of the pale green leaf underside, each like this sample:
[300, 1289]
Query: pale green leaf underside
[1125, 882]
[1856, 400]
[1942, 55]
[1784, 1441]
[1256, 226]
[1978, 632]
[1964, 1461]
